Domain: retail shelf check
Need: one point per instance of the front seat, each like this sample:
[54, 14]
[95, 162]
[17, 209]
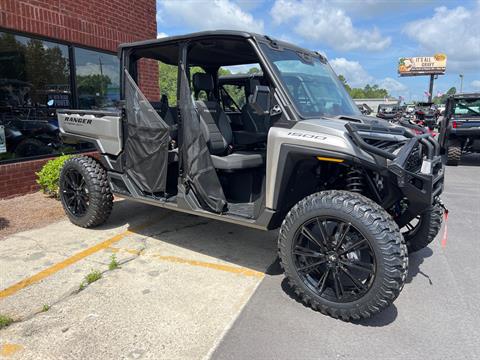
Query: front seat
[217, 131]
[252, 121]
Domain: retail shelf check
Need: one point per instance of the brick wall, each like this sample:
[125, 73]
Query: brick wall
[19, 178]
[101, 24]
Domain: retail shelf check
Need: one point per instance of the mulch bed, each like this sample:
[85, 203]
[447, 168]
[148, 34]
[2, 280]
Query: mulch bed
[28, 212]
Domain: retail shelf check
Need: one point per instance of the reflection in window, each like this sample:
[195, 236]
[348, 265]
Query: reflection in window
[98, 79]
[34, 80]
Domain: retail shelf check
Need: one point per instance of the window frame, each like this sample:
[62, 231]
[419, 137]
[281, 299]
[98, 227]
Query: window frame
[72, 77]
[71, 57]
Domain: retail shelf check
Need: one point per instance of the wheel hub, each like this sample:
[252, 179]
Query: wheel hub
[334, 259]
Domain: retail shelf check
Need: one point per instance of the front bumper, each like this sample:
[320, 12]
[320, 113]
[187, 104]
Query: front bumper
[416, 167]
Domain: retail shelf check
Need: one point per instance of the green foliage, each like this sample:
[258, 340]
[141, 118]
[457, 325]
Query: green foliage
[45, 307]
[37, 65]
[49, 175]
[443, 99]
[93, 84]
[93, 276]
[168, 82]
[5, 321]
[368, 92]
[113, 263]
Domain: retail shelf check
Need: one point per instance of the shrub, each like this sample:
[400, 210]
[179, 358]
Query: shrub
[49, 175]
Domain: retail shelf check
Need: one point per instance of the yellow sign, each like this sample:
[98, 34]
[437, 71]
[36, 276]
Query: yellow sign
[422, 65]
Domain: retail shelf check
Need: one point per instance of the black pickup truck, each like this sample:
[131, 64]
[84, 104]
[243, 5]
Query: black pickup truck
[460, 127]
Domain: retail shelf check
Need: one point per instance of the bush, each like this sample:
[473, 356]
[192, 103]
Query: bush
[49, 175]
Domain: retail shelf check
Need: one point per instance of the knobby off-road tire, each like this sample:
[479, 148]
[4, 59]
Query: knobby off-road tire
[382, 242]
[85, 192]
[454, 153]
[425, 230]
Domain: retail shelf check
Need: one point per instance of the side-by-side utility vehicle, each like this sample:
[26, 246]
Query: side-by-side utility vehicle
[351, 194]
[460, 126]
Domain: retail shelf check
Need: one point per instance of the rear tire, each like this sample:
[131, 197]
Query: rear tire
[425, 231]
[85, 192]
[373, 242]
[454, 153]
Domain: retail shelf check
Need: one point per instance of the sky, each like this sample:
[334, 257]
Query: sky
[362, 39]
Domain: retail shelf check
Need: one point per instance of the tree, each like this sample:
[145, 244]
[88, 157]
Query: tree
[168, 82]
[443, 98]
[368, 92]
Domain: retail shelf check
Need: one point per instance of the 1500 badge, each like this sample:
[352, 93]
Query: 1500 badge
[307, 136]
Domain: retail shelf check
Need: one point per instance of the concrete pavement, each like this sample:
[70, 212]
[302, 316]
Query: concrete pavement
[182, 280]
[435, 317]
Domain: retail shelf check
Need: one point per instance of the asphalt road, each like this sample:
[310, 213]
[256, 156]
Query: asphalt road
[436, 316]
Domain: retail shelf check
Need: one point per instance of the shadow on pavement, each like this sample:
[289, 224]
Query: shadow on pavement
[414, 261]
[245, 247]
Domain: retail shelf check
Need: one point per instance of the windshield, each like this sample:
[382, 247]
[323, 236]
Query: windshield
[311, 84]
[467, 107]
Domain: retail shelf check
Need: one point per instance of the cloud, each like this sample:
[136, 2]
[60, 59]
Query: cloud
[214, 15]
[455, 32]
[357, 76]
[475, 84]
[161, 35]
[392, 85]
[324, 23]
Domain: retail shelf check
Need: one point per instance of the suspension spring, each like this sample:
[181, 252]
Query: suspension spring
[355, 180]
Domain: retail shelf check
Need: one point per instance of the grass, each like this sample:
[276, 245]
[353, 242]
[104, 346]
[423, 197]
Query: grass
[113, 263]
[45, 307]
[5, 321]
[91, 277]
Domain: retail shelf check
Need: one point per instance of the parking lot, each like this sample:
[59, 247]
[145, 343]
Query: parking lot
[188, 287]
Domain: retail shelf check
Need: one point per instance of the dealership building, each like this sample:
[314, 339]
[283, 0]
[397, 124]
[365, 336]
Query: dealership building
[61, 54]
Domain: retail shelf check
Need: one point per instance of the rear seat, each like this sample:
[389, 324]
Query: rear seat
[168, 114]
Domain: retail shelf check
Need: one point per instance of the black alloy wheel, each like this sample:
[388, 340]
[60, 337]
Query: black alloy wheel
[342, 254]
[334, 259]
[75, 194]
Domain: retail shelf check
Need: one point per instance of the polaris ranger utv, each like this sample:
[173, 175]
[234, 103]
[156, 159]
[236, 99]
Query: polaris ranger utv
[460, 126]
[352, 195]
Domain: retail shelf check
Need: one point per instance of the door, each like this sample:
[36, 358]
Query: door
[196, 167]
[146, 145]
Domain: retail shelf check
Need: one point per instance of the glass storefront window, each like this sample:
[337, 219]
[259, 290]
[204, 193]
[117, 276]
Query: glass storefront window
[34, 80]
[97, 78]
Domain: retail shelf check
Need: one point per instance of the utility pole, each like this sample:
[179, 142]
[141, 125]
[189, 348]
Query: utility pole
[461, 83]
[430, 91]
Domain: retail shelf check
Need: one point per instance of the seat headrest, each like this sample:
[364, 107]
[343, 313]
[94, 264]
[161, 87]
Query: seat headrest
[203, 82]
[251, 85]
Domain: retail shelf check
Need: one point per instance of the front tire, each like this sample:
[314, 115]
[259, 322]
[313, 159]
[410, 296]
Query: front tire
[85, 192]
[343, 254]
[423, 230]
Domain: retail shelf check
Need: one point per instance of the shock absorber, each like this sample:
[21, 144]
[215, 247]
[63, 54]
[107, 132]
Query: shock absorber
[355, 180]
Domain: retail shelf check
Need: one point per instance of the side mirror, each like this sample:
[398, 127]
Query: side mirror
[260, 100]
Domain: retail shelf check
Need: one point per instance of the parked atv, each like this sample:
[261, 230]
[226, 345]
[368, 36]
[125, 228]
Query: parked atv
[460, 126]
[389, 111]
[351, 194]
[426, 114]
